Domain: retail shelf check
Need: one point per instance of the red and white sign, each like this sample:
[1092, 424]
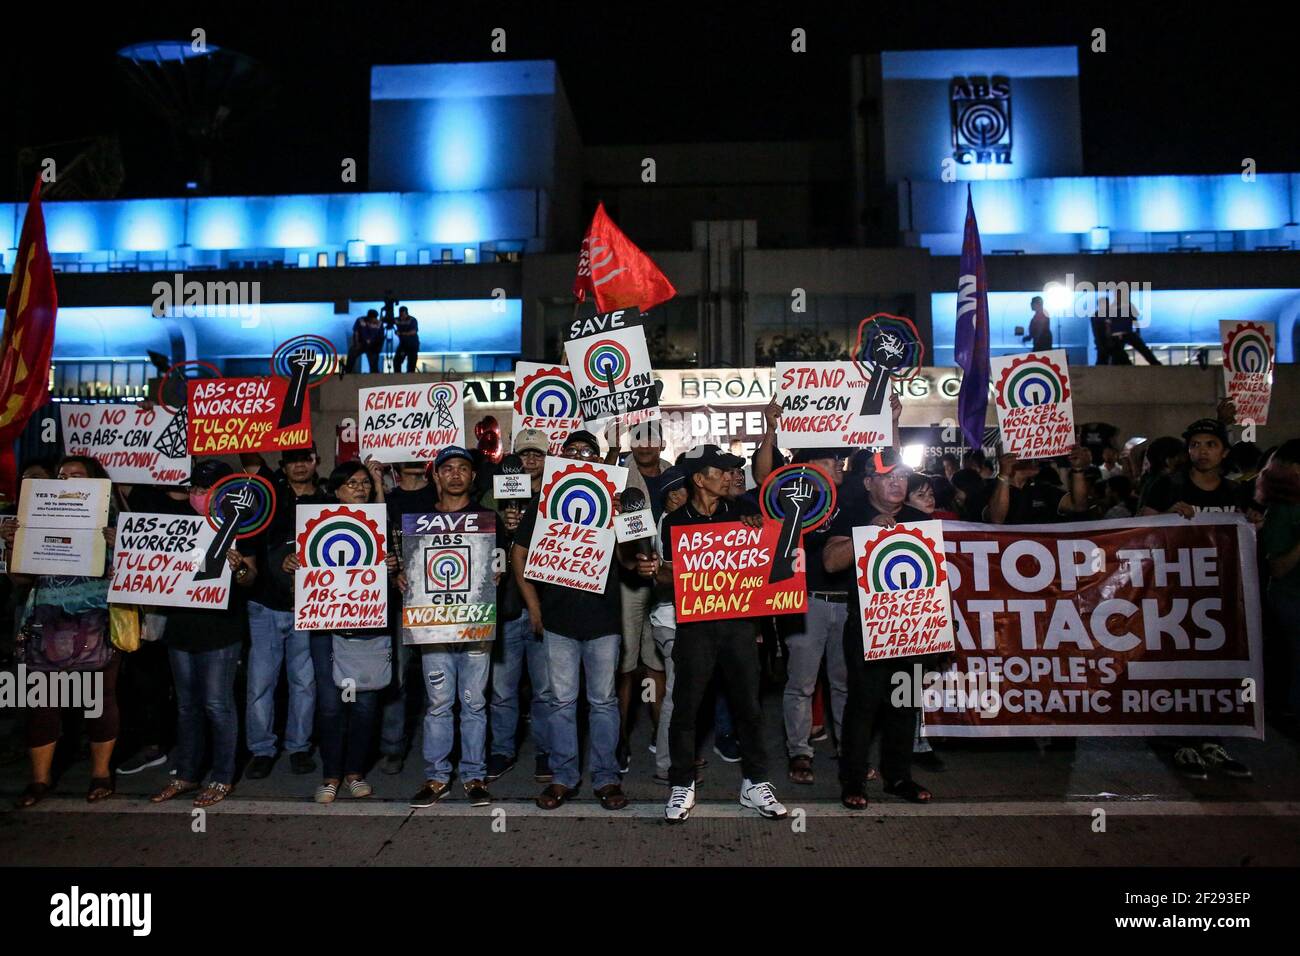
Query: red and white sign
[342, 583]
[545, 398]
[410, 422]
[232, 415]
[1035, 412]
[730, 570]
[1248, 357]
[902, 583]
[136, 446]
[573, 540]
[822, 404]
[159, 561]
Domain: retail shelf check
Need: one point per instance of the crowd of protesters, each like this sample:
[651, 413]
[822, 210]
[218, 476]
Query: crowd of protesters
[174, 701]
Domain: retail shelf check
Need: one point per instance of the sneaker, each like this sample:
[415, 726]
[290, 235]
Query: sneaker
[326, 793]
[1215, 756]
[929, 761]
[477, 793]
[761, 797]
[499, 765]
[1189, 763]
[430, 793]
[542, 769]
[301, 762]
[259, 767]
[727, 749]
[358, 788]
[391, 764]
[680, 802]
[624, 757]
[146, 758]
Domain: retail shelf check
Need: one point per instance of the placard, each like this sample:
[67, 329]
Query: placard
[342, 583]
[450, 593]
[545, 398]
[823, 404]
[64, 503]
[232, 415]
[511, 486]
[72, 552]
[902, 581]
[410, 422]
[634, 525]
[729, 570]
[573, 538]
[610, 366]
[162, 560]
[136, 446]
[1035, 412]
[1248, 358]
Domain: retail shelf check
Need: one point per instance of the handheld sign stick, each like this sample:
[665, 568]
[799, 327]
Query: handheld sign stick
[634, 500]
[885, 353]
[233, 509]
[302, 362]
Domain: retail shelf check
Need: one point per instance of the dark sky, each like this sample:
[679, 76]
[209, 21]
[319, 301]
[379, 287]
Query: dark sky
[1177, 91]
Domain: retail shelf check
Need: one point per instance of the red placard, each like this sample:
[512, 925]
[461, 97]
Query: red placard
[232, 415]
[730, 570]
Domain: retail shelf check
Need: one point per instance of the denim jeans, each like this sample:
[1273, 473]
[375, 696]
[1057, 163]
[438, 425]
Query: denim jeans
[275, 642]
[566, 659]
[394, 700]
[205, 700]
[451, 671]
[823, 635]
[517, 646]
[345, 728]
[665, 637]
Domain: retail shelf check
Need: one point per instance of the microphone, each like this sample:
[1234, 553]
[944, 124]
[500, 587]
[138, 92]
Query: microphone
[634, 500]
[511, 465]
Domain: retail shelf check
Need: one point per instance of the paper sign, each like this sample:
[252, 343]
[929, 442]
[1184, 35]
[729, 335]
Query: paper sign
[1248, 358]
[232, 415]
[610, 365]
[73, 552]
[162, 560]
[634, 525]
[64, 503]
[342, 583]
[1035, 413]
[545, 398]
[410, 422]
[451, 590]
[826, 404]
[573, 539]
[136, 446]
[729, 570]
[902, 580]
[511, 486]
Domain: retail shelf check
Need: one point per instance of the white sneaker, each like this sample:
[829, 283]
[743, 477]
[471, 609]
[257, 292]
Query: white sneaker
[680, 802]
[760, 797]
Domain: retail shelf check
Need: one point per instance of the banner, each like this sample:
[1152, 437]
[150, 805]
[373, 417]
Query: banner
[729, 570]
[823, 404]
[1248, 357]
[1035, 413]
[410, 422]
[136, 446]
[451, 593]
[232, 415]
[545, 398]
[610, 365]
[159, 561]
[1129, 627]
[342, 583]
[573, 538]
[61, 527]
[902, 582]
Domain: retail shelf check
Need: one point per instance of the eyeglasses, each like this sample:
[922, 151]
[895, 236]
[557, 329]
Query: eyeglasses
[356, 485]
[583, 451]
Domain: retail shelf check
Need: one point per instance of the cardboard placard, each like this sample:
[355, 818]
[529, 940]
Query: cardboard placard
[547, 399]
[160, 560]
[136, 446]
[410, 422]
[634, 525]
[610, 365]
[573, 540]
[902, 581]
[822, 405]
[73, 552]
[64, 503]
[1248, 359]
[511, 486]
[342, 583]
[232, 415]
[729, 570]
[448, 560]
[1035, 412]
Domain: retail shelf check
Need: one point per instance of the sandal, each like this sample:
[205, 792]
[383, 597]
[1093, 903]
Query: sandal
[33, 795]
[909, 790]
[554, 795]
[801, 770]
[213, 793]
[612, 797]
[101, 788]
[854, 800]
[173, 789]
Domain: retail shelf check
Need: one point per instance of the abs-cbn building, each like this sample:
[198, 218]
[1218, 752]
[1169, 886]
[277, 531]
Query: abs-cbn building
[478, 187]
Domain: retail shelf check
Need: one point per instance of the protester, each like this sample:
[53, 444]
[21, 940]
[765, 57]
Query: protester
[1119, 500]
[1110, 466]
[663, 620]
[1024, 495]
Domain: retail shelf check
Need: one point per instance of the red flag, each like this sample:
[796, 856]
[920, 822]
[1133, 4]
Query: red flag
[616, 272]
[28, 338]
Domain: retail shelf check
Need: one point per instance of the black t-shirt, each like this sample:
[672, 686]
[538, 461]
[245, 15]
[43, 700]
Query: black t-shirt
[1035, 503]
[814, 542]
[1167, 490]
[421, 501]
[570, 612]
[208, 629]
[727, 510]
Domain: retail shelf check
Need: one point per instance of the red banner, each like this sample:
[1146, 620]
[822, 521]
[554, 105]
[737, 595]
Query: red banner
[232, 415]
[730, 570]
[1106, 628]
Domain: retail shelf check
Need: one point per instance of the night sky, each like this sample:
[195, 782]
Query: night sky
[1178, 91]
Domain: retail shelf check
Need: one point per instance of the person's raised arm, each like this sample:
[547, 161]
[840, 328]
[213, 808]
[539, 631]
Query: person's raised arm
[1076, 499]
[1000, 503]
[764, 455]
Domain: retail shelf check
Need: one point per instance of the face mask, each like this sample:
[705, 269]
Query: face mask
[199, 501]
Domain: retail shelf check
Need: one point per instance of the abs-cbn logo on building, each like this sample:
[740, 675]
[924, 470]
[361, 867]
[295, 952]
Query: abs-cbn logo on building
[981, 119]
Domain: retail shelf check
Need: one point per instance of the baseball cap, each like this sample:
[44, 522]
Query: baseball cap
[582, 436]
[297, 454]
[1207, 426]
[669, 480]
[450, 452]
[532, 439]
[815, 454]
[885, 462]
[708, 456]
[206, 473]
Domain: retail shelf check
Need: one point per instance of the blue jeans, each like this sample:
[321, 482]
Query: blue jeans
[345, 728]
[392, 728]
[205, 698]
[518, 645]
[565, 659]
[450, 671]
[275, 642]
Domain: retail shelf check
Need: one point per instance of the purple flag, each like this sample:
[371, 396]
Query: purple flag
[972, 336]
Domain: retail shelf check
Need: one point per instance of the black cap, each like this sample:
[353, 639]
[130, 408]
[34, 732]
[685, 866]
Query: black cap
[708, 456]
[803, 455]
[582, 436]
[297, 454]
[670, 479]
[208, 471]
[1207, 426]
